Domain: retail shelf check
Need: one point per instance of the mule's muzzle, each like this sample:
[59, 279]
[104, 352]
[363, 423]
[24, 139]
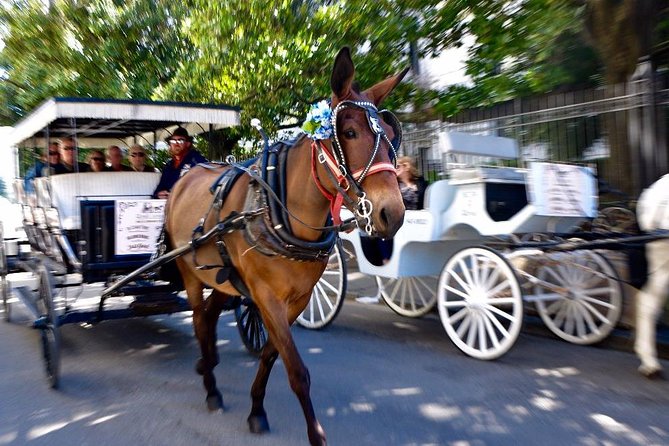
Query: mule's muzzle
[388, 220]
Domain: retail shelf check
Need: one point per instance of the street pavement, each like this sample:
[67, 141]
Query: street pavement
[377, 379]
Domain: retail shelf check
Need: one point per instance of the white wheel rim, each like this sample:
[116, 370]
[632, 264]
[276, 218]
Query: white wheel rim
[480, 303]
[590, 308]
[326, 296]
[409, 296]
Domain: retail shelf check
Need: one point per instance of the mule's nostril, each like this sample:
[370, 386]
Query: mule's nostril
[384, 217]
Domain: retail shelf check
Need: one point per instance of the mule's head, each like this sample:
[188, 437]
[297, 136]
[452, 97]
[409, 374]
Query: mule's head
[365, 141]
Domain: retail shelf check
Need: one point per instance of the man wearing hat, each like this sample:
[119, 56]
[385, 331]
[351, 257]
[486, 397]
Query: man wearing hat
[183, 158]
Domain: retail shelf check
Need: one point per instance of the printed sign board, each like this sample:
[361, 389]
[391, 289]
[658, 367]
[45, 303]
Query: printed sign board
[138, 225]
[563, 190]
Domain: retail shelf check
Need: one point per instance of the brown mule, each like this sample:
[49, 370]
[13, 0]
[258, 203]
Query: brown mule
[281, 285]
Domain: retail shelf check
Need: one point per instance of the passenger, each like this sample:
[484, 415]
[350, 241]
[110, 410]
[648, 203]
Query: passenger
[68, 148]
[96, 161]
[115, 157]
[412, 184]
[183, 158]
[137, 159]
[40, 168]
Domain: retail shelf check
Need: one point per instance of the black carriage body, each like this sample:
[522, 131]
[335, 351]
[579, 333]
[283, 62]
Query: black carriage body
[97, 240]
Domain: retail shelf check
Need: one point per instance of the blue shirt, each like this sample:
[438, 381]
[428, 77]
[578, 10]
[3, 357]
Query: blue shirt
[171, 174]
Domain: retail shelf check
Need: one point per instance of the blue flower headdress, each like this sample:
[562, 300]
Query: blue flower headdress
[318, 124]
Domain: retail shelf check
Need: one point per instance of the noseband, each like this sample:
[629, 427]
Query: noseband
[338, 170]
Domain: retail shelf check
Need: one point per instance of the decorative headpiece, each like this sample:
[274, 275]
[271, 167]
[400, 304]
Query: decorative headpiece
[318, 124]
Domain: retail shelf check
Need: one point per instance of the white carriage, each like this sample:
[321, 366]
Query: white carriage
[471, 252]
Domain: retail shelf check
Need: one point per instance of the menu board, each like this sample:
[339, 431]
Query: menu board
[138, 225]
[563, 190]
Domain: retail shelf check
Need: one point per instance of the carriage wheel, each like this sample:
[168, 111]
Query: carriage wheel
[480, 302]
[328, 295]
[50, 331]
[4, 283]
[251, 327]
[590, 306]
[409, 296]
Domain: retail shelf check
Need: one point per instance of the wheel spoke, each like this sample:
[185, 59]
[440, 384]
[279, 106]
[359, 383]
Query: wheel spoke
[601, 303]
[569, 322]
[499, 312]
[501, 301]
[471, 335]
[324, 296]
[465, 270]
[499, 287]
[482, 333]
[491, 318]
[456, 291]
[598, 291]
[455, 304]
[595, 312]
[324, 283]
[455, 317]
[588, 318]
[465, 323]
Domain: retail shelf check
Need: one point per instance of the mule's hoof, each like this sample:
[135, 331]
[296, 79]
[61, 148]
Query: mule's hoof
[258, 424]
[215, 401]
[199, 366]
[656, 374]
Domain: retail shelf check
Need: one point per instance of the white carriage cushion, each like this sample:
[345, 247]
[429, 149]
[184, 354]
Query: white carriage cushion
[653, 206]
[67, 190]
[496, 147]
[439, 196]
[490, 174]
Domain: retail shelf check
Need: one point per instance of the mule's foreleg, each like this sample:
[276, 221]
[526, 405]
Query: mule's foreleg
[258, 418]
[205, 337]
[278, 326]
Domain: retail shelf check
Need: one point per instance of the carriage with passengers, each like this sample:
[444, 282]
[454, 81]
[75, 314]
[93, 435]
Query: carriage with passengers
[88, 228]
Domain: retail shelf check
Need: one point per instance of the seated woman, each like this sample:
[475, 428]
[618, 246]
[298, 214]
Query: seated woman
[96, 161]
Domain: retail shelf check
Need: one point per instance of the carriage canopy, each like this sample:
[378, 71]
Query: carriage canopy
[100, 122]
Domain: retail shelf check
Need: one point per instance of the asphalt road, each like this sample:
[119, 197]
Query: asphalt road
[377, 379]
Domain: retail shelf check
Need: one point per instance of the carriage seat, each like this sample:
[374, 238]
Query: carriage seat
[489, 174]
[439, 196]
[68, 190]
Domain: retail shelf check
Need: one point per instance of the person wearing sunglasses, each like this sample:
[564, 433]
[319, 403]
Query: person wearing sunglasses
[68, 163]
[137, 159]
[184, 156]
[43, 166]
[96, 161]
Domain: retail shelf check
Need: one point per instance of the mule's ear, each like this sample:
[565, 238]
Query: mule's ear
[378, 92]
[342, 74]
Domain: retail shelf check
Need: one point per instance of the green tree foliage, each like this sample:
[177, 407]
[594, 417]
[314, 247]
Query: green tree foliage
[99, 48]
[273, 57]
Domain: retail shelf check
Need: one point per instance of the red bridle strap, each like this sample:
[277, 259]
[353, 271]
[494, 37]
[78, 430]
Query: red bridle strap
[321, 153]
[337, 199]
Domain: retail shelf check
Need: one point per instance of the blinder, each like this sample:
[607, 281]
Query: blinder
[390, 119]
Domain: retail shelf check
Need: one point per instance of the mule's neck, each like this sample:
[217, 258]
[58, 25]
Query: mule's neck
[304, 200]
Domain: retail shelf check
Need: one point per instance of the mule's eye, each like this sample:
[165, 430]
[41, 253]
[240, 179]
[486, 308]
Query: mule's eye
[349, 134]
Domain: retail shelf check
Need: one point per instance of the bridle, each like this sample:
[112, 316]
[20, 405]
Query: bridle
[336, 166]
